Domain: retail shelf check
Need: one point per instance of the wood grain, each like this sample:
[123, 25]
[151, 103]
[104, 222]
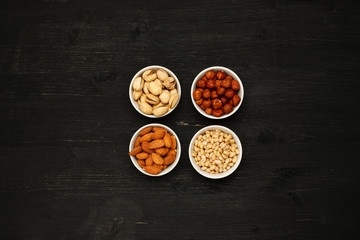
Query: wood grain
[66, 119]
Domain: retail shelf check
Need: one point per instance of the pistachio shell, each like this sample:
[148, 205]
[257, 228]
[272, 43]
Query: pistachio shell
[160, 104]
[172, 92]
[160, 111]
[146, 87]
[161, 74]
[155, 88]
[165, 96]
[173, 100]
[138, 84]
[151, 99]
[145, 107]
[149, 75]
[136, 95]
[169, 83]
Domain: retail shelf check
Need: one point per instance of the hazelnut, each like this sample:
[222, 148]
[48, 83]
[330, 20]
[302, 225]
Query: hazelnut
[217, 83]
[228, 108]
[210, 84]
[235, 85]
[216, 104]
[197, 94]
[214, 94]
[207, 103]
[210, 74]
[206, 93]
[235, 100]
[218, 112]
[209, 111]
[229, 93]
[220, 91]
[220, 75]
[226, 83]
[224, 100]
[200, 101]
[201, 84]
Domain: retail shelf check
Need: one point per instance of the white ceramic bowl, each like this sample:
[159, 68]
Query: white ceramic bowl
[228, 72]
[139, 74]
[171, 166]
[219, 175]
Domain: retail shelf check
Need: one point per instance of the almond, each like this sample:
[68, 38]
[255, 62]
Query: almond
[173, 142]
[158, 135]
[146, 138]
[145, 131]
[149, 161]
[172, 152]
[141, 163]
[158, 143]
[169, 159]
[162, 151]
[152, 170]
[137, 141]
[145, 147]
[157, 159]
[167, 140]
[161, 167]
[135, 151]
[159, 129]
[142, 155]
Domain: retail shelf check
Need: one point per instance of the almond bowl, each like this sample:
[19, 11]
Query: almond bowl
[228, 72]
[171, 166]
[139, 74]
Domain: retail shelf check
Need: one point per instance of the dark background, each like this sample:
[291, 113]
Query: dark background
[66, 119]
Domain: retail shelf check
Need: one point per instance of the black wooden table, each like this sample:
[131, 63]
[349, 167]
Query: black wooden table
[66, 119]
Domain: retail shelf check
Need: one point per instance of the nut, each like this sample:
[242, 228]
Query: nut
[157, 159]
[165, 96]
[173, 100]
[162, 151]
[173, 91]
[149, 75]
[135, 151]
[152, 170]
[142, 155]
[146, 87]
[158, 143]
[160, 111]
[169, 83]
[145, 147]
[141, 163]
[160, 104]
[167, 140]
[152, 99]
[137, 142]
[138, 84]
[136, 95]
[145, 131]
[155, 88]
[169, 159]
[149, 161]
[158, 135]
[145, 107]
[146, 138]
[161, 74]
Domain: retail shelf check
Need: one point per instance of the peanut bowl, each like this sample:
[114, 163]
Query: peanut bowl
[215, 152]
[217, 92]
[159, 152]
[154, 91]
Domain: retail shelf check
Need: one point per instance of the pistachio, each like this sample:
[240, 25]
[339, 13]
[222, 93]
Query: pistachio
[165, 96]
[155, 88]
[161, 74]
[145, 107]
[169, 83]
[172, 92]
[146, 87]
[160, 104]
[160, 111]
[173, 100]
[138, 84]
[149, 75]
[136, 94]
[151, 99]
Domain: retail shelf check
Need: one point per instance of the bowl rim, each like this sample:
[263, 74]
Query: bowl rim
[178, 150]
[229, 72]
[223, 174]
[139, 73]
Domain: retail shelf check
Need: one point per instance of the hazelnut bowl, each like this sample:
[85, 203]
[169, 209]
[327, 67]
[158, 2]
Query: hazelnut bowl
[155, 149]
[154, 91]
[215, 151]
[217, 92]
